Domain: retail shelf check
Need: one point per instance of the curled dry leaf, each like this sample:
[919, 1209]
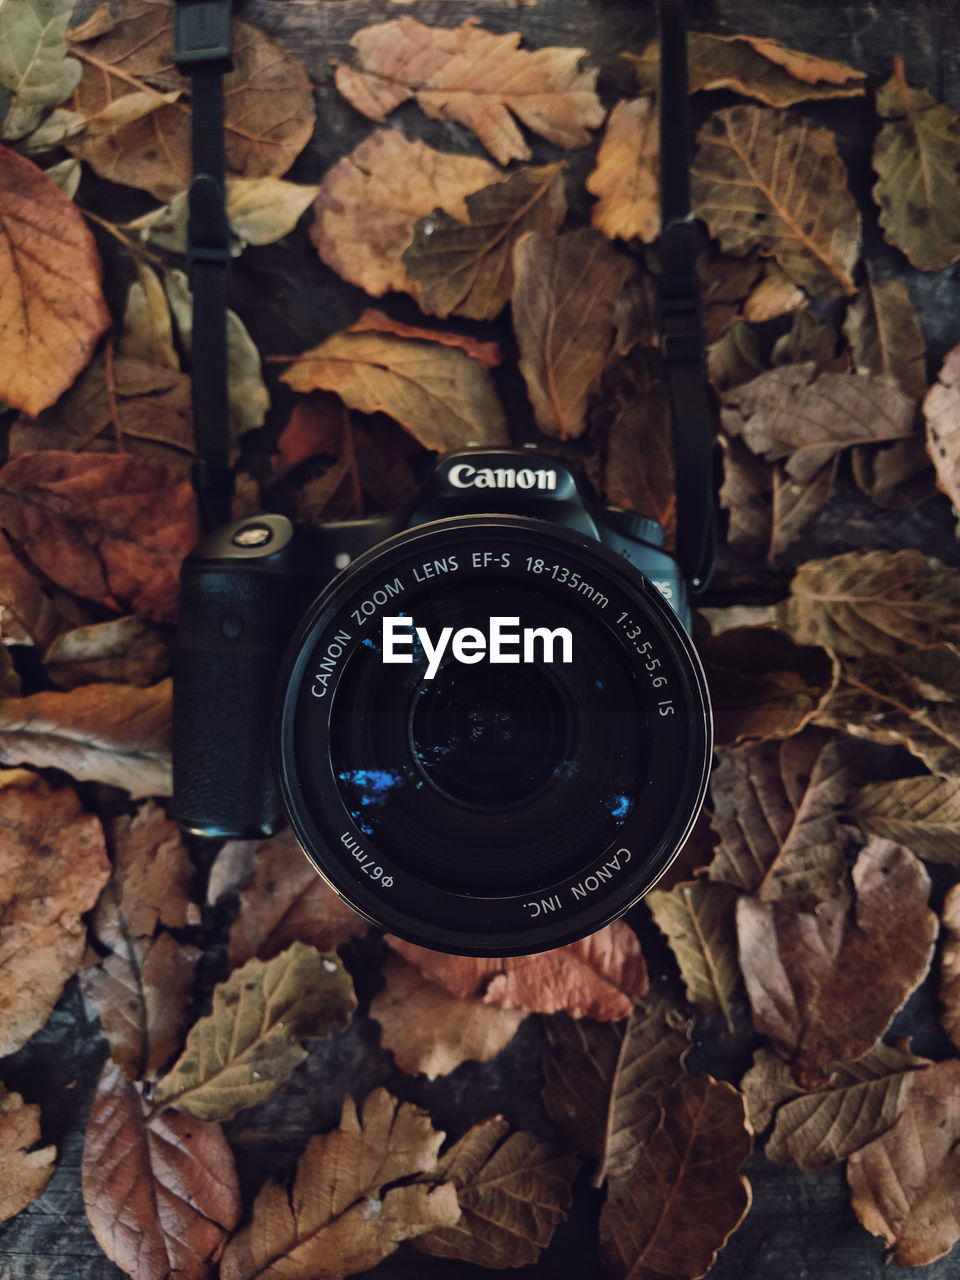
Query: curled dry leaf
[52, 311]
[372, 320]
[916, 155]
[247, 1047]
[53, 864]
[596, 977]
[327, 1223]
[903, 1185]
[885, 335]
[626, 180]
[25, 1168]
[767, 1085]
[432, 1032]
[30, 613]
[564, 297]
[477, 79]
[675, 1209]
[112, 733]
[950, 965]
[513, 1191]
[370, 201]
[34, 66]
[284, 900]
[259, 210]
[147, 333]
[763, 685]
[604, 1080]
[874, 603]
[776, 812]
[112, 529]
[759, 180]
[775, 295]
[697, 919]
[466, 268]
[796, 502]
[160, 1191]
[124, 651]
[268, 118]
[923, 813]
[941, 409]
[825, 985]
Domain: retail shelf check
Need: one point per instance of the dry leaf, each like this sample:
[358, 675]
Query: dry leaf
[432, 1032]
[767, 1084]
[34, 65]
[825, 985]
[735, 357]
[922, 813]
[885, 335]
[124, 651]
[775, 295]
[30, 613]
[513, 1191]
[287, 901]
[52, 311]
[626, 179]
[863, 604]
[941, 409]
[916, 155]
[67, 176]
[436, 391]
[685, 1195]
[466, 268]
[950, 965]
[25, 1168]
[564, 297]
[53, 865]
[342, 1214]
[259, 210]
[596, 977]
[160, 1191]
[759, 180]
[476, 78]
[112, 733]
[111, 528]
[372, 320]
[370, 201]
[763, 685]
[268, 99]
[147, 330]
[697, 919]
[242, 1052]
[746, 496]
[796, 502]
[903, 1185]
[776, 810]
[604, 1080]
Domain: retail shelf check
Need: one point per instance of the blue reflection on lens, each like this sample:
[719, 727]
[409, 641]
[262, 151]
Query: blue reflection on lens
[374, 785]
[619, 806]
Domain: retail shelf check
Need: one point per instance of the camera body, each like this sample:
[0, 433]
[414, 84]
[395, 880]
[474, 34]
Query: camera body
[247, 586]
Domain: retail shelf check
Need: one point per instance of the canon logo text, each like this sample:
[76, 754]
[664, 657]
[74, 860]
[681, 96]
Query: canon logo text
[463, 476]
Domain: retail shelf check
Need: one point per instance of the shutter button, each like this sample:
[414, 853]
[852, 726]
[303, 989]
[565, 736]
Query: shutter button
[253, 535]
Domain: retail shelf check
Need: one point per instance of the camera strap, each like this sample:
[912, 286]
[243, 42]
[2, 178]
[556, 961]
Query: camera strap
[680, 314]
[202, 50]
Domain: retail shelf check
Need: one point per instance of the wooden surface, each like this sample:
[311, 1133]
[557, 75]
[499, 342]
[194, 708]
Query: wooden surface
[800, 1226]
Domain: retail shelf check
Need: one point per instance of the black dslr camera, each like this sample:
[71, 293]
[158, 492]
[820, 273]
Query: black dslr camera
[484, 719]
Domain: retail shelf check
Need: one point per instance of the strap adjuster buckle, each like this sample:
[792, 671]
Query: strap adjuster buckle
[201, 35]
[681, 330]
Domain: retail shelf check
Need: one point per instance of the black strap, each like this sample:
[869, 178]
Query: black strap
[201, 38]
[681, 321]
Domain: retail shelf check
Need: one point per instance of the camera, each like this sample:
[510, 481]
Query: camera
[484, 719]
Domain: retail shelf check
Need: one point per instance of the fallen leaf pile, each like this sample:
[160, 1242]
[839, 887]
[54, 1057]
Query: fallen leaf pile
[503, 207]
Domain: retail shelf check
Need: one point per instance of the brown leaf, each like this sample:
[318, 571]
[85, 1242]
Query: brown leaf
[53, 310]
[941, 409]
[697, 919]
[476, 78]
[767, 1084]
[759, 179]
[824, 986]
[25, 1168]
[735, 358]
[916, 155]
[466, 268]
[746, 495]
[513, 1191]
[147, 333]
[112, 733]
[776, 812]
[863, 604]
[268, 117]
[685, 1195]
[895, 475]
[763, 685]
[885, 335]
[775, 295]
[142, 993]
[371, 200]
[565, 292]
[124, 651]
[152, 419]
[374, 321]
[161, 1193]
[437, 392]
[638, 471]
[923, 813]
[30, 613]
[53, 865]
[432, 1032]
[242, 1052]
[604, 1080]
[903, 1185]
[950, 965]
[796, 502]
[327, 1224]
[626, 179]
[285, 901]
[596, 977]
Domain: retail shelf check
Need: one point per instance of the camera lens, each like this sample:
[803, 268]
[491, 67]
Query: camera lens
[493, 736]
